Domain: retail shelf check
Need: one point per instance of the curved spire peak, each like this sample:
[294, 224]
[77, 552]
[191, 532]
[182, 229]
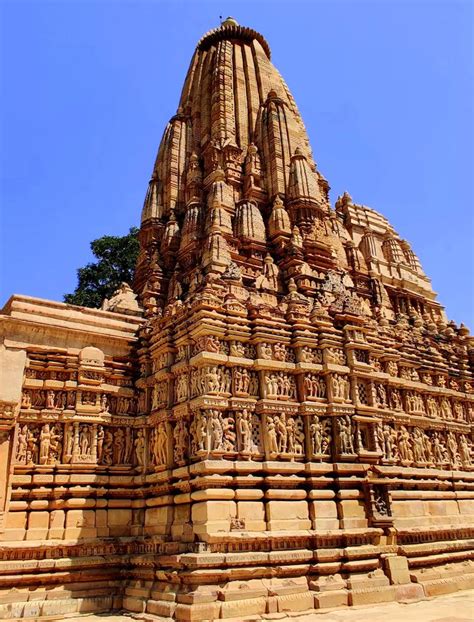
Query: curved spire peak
[231, 29]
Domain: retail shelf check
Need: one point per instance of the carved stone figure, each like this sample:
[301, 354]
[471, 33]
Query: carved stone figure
[139, 446]
[245, 431]
[344, 428]
[45, 443]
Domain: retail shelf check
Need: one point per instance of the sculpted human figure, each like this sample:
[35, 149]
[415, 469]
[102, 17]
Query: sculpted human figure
[291, 434]
[438, 449]
[306, 354]
[100, 442]
[237, 349]
[104, 403]
[458, 411]
[381, 395]
[271, 389]
[26, 399]
[427, 448]
[272, 436]
[245, 431]
[22, 444]
[452, 448]
[226, 380]
[316, 433]
[464, 450]
[107, 449]
[279, 352]
[404, 445]
[139, 445]
[84, 440]
[388, 442]
[282, 433]
[345, 435]
[432, 406]
[228, 434]
[50, 399]
[217, 432]
[119, 446]
[45, 443]
[213, 380]
[55, 447]
[202, 432]
[446, 411]
[395, 400]
[322, 387]
[127, 452]
[418, 453]
[32, 449]
[253, 384]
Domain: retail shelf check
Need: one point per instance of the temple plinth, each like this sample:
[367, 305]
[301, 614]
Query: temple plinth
[277, 418]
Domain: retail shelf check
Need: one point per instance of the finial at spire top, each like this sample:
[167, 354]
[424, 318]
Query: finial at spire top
[230, 21]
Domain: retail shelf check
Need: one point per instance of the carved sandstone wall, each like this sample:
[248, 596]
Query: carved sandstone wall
[289, 423]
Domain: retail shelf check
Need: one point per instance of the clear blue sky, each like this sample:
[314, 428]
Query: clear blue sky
[385, 89]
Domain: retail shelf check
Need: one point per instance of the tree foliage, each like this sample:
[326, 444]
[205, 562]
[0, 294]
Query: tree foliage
[116, 258]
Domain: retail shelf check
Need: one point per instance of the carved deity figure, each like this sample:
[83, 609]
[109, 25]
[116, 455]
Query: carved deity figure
[464, 450]
[446, 411]
[104, 403]
[241, 380]
[45, 443]
[272, 436]
[245, 431]
[160, 445]
[417, 444]
[387, 440]
[395, 399]
[346, 441]
[316, 434]
[108, 448]
[139, 447]
[452, 447]
[438, 449]
[84, 440]
[100, 442]
[404, 445]
[340, 387]
[50, 399]
[269, 277]
[22, 444]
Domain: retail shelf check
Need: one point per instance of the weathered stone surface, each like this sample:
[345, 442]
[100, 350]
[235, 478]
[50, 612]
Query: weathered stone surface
[278, 416]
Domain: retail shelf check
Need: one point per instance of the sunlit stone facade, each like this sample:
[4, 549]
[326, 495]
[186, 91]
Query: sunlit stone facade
[278, 418]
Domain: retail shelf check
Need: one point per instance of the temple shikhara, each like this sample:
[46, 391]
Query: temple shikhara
[276, 416]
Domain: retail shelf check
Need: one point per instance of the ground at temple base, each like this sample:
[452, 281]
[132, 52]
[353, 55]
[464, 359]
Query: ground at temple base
[457, 607]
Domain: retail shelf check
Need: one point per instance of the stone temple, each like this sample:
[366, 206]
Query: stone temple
[277, 418]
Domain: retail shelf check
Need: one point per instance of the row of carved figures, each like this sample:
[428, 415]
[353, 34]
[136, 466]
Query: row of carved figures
[331, 354]
[425, 447]
[213, 431]
[241, 381]
[58, 443]
[69, 400]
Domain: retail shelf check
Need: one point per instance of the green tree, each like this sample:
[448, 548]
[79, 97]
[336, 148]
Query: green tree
[116, 259]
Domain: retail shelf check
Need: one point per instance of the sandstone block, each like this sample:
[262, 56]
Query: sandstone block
[396, 568]
[371, 595]
[247, 606]
[197, 612]
[295, 602]
[252, 513]
[288, 515]
[336, 598]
